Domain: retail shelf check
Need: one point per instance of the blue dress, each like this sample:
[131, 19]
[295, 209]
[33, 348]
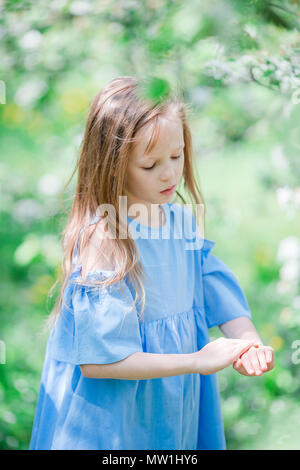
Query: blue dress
[188, 290]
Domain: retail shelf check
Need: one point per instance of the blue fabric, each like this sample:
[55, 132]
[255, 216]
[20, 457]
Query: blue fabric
[188, 290]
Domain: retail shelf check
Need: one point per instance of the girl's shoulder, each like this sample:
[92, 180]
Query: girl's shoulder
[99, 252]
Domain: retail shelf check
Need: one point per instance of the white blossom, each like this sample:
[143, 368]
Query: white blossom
[290, 271]
[79, 8]
[27, 210]
[251, 30]
[51, 249]
[49, 184]
[284, 195]
[289, 249]
[31, 40]
[29, 92]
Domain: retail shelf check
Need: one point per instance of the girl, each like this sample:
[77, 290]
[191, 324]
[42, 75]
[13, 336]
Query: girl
[128, 362]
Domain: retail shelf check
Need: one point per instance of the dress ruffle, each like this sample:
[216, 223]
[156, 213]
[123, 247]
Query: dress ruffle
[224, 299]
[97, 325]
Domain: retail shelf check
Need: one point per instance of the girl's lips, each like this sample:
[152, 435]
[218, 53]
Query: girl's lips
[168, 191]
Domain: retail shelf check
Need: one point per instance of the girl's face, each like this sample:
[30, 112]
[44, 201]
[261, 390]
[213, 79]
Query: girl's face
[149, 174]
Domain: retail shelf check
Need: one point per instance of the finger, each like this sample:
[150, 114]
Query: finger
[271, 364]
[252, 354]
[239, 360]
[261, 354]
[237, 364]
[247, 365]
[269, 354]
[240, 369]
[243, 346]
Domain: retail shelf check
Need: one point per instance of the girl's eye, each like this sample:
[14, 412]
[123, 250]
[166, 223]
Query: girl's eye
[150, 167]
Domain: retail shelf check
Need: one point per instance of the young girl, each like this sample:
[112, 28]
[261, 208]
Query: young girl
[128, 362]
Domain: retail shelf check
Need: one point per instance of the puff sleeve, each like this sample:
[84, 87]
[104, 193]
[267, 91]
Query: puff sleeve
[223, 297]
[97, 325]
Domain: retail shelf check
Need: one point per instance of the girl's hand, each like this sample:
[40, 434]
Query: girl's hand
[219, 354]
[255, 361]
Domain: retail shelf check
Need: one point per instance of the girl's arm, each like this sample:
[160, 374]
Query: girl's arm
[140, 365]
[254, 361]
[241, 328]
[213, 357]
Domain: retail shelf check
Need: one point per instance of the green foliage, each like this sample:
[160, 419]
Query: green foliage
[155, 89]
[237, 64]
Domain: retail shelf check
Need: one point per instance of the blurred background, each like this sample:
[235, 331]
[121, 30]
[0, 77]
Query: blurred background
[238, 64]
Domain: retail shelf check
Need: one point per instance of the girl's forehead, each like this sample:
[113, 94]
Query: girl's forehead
[168, 134]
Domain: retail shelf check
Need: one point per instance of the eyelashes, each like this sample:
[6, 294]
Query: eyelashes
[150, 168]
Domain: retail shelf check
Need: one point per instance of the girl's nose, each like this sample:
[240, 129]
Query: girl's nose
[168, 174]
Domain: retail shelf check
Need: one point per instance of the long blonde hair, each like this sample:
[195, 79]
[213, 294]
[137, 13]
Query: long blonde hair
[117, 113]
